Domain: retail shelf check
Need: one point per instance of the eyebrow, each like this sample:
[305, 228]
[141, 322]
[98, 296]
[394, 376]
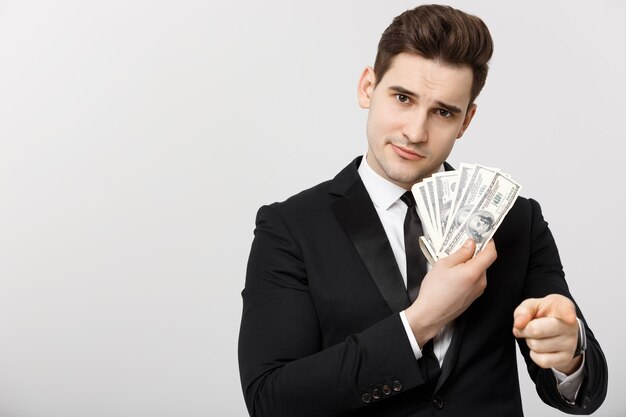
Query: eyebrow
[404, 91]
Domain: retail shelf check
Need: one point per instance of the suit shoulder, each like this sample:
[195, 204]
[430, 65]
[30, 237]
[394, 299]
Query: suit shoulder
[303, 210]
[304, 199]
[319, 196]
[525, 207]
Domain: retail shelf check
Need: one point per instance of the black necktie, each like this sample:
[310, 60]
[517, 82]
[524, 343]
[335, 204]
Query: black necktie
[415, 271]
[415, 260]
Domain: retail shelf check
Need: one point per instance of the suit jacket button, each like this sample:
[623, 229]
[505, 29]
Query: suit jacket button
[438, 402]
[386, 389]
[366, 398]
[376, 394]
[397, 386]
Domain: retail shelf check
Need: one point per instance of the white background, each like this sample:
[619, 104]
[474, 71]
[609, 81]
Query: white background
[138, 139]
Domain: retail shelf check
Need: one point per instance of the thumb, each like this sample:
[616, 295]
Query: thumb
[462, 255]
[525, 312]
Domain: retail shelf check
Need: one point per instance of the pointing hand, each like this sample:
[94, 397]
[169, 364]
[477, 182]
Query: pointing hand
[550, 328]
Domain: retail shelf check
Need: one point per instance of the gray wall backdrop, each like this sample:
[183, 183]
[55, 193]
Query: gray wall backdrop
[138, 139]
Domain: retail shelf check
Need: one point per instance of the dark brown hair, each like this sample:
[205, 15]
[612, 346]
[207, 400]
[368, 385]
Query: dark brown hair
[440, 33]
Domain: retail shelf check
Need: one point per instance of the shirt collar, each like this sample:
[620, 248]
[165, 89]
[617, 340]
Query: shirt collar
[383, 192]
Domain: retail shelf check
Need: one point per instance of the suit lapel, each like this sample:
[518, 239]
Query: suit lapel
[357, 215]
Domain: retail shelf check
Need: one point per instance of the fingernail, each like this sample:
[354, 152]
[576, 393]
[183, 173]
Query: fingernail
[468, 243]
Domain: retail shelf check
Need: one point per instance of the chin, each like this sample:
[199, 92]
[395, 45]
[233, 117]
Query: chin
[417, 174]
[406, 179]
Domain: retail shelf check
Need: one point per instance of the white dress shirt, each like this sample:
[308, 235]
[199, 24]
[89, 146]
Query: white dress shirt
[391, 210]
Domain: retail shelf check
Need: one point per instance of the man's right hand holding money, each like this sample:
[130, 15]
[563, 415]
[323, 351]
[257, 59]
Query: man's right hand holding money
[449, 288]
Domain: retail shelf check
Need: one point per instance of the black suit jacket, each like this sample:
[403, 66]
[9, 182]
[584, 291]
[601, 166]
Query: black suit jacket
[321, 334]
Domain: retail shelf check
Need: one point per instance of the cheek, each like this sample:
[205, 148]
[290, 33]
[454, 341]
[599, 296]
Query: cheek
[377, 128]
[440, 148]
[385, 118]
[372, 131]
[445, 144]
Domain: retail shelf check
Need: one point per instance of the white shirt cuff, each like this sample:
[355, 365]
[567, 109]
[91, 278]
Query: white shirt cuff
[568, 386]
[409, 333]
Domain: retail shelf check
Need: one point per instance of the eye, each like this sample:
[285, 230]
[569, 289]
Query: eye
[444, 113]
[402, 98]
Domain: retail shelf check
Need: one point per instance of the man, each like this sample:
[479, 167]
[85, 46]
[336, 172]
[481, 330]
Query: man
[328, 326]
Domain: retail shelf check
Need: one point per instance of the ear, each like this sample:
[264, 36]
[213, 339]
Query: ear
[468, 118]
[366, 87]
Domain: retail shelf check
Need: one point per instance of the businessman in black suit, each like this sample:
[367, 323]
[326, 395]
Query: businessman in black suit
[328, 326]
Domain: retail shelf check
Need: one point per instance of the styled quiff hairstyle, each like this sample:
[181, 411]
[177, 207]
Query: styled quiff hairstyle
[440, 33]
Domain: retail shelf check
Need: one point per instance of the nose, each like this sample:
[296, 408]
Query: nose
[415, 127]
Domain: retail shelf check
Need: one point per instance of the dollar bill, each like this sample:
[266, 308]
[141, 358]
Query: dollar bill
[481, 178]
[445, 186]
[423, 208]
[430, 199]
[456, 205]
[486, 215]
[464, 174]
[428, 250]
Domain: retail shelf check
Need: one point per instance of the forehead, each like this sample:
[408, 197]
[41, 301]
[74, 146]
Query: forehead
[433, 79]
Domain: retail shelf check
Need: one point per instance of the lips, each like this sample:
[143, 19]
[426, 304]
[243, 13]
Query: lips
[406, 153]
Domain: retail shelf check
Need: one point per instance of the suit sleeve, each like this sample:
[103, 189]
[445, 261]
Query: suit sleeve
[284, 369]
[545, 276]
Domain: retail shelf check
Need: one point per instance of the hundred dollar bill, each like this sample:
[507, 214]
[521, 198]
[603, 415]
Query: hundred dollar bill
[430, 198]
[456, 205]
[478, 184]
[486, 215]
[464, 174]
[445, 186]
[423, 208]
[427, 249]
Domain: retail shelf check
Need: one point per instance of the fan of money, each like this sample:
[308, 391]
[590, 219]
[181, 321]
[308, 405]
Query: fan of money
[453, 206]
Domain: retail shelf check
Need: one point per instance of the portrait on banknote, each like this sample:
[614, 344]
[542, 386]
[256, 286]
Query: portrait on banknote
[479, 225]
